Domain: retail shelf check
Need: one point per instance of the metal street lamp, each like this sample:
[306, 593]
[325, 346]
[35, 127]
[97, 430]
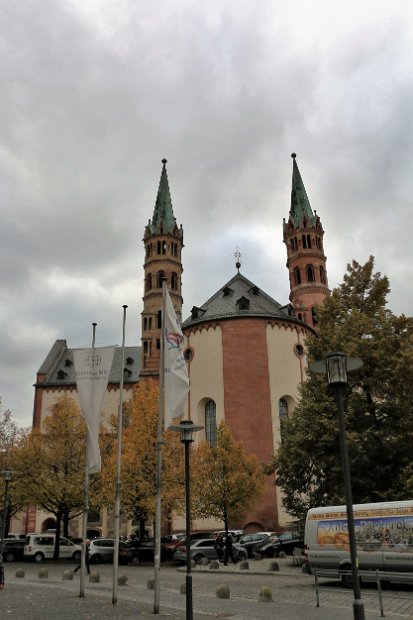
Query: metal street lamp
[187, 430]
[7, 477]
[336, 366]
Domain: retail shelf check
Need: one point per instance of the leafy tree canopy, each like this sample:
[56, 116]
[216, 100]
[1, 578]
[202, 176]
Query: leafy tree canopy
[354, 319]
[226, 480]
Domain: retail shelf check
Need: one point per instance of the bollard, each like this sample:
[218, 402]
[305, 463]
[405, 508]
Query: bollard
[94, 578]
[43, 574]
[223, 592]
[265, 595]
[122, 580]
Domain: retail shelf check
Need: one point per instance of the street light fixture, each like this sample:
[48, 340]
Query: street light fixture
[7, 477]
[336, 366]
[187, 430]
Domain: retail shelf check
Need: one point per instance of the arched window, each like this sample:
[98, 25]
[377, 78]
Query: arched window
[149, 282]
[160, 277]
[161, 247]
[159, 317]
[283, 414]
[308, 241]
[322, 275]
[314, 315]
[304, 241]
[310, 273]
[211, 423]
[297, 276]
[174, 281]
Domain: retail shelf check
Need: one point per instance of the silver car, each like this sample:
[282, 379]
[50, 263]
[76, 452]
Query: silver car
[101, 550]
[204, 548]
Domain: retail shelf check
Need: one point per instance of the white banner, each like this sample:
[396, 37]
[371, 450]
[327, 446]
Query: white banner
[92, 368]
[176, 377]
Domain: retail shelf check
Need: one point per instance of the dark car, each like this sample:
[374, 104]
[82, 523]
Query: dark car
[128, 553]
[13, 550]
[249, 541]
[273, 545]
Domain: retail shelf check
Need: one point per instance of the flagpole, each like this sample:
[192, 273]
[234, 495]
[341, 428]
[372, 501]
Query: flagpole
[118, 470]
[86, 497]
[159, 442]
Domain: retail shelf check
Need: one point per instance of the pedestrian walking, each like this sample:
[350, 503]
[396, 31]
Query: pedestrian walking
[87, 558]
[219, 546]
[229, 550]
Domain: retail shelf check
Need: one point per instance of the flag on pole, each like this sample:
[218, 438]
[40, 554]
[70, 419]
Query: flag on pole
[92, 367]
[176, 378]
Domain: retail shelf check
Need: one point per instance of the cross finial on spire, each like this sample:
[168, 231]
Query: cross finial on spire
[237, 256]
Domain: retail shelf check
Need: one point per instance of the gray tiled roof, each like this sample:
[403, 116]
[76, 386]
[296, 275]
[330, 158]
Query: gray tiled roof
[238, 298]
[59, 370]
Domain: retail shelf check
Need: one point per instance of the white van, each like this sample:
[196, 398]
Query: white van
[41, 547]
[383, 531]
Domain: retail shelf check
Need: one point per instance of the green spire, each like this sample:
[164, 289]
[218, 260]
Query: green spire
[163, 217]
[300, 205]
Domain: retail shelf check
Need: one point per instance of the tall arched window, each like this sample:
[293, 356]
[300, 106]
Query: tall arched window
[283, 414]
[160, 277]
[297, 276]
[310, 273]
[149, 282]
[211, 423]
[322, 275]
[174, 281]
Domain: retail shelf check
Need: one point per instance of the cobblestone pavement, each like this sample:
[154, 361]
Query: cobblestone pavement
[294, 595]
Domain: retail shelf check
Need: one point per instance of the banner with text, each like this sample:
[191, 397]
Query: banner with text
[92, 368]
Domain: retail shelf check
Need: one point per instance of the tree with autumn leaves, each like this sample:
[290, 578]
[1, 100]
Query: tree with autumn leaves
[138, 461]
[50, 464]
[226, 480]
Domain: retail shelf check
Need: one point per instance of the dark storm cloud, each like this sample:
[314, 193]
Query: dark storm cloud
[94, 94]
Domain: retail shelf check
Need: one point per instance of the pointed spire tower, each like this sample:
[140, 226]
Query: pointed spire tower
[163, 246]
[306, 261]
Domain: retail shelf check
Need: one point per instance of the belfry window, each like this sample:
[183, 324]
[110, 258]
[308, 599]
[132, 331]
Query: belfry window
[211, 423]
[160, 278]
[310, 273]
[322, 275]
[297, 276]
[174, 281]
[149, 282]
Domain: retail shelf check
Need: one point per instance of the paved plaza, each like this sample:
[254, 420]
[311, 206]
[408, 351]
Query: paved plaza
[294, 597]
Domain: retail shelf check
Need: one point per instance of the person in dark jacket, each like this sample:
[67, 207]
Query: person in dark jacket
[219, 547]
[229, 550]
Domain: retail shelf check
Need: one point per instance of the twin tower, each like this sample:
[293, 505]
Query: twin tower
[163, 238]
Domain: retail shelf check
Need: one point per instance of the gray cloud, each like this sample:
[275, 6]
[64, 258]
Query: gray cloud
[93, 95]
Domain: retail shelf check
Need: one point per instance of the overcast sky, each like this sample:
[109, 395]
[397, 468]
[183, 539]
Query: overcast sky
[94, 93]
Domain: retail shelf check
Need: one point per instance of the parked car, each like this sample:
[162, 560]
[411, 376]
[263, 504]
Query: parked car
[41, 547]
[128, 553]
[13, 549]
[169, 544]
[273, 545]
[204, 548]
[249, 541]
[101, 550]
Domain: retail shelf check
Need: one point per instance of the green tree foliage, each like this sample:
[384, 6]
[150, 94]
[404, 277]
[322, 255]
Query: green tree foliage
[226, 481]
[52, 463]
[354, 319]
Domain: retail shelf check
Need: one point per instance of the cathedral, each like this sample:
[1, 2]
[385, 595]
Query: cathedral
[245, 351]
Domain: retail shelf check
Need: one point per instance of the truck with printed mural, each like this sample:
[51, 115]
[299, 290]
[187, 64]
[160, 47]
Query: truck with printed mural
[384, 538]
